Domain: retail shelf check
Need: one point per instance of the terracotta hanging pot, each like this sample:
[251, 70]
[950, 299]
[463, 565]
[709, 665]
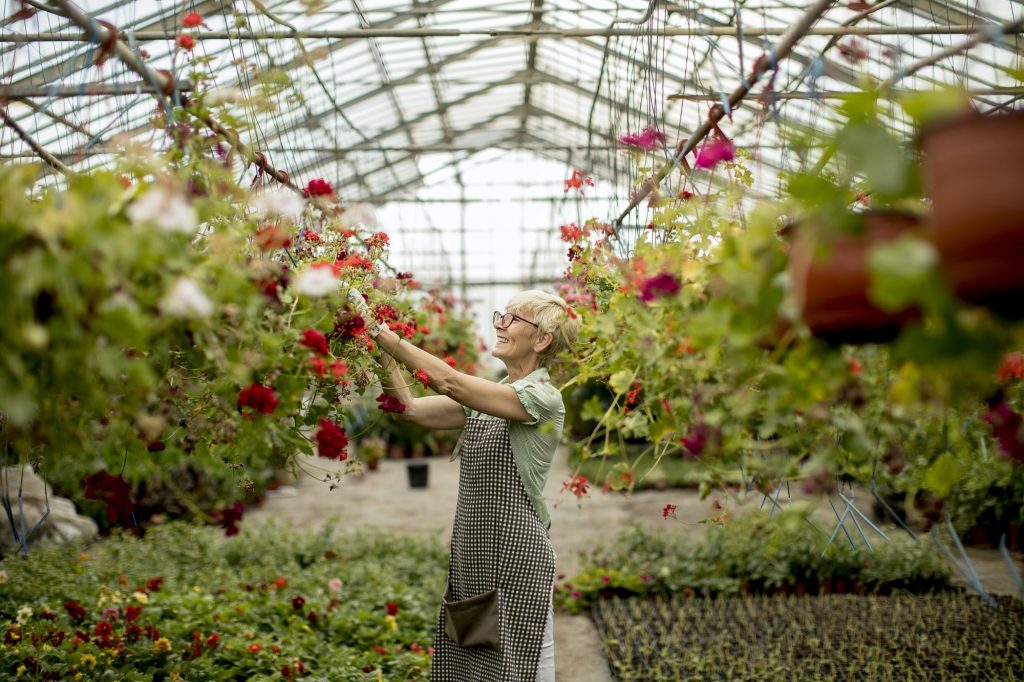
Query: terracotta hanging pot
[974, 174]
[830, 284]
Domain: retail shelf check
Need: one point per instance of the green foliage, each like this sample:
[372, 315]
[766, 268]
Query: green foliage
[831, 637]
[244, 589]
[751, 553]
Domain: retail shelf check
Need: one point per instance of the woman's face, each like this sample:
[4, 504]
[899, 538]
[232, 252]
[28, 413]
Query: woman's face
[515, 342]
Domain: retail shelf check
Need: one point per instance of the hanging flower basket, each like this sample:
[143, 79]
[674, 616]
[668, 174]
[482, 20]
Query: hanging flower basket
[830, 285]
[974, 174]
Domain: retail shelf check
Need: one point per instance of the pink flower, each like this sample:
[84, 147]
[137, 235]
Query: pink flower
[648, 139]
[331, 441]
[719, 149]
[662, 284]
[315, 341]
[1008, 429]
[335, 584]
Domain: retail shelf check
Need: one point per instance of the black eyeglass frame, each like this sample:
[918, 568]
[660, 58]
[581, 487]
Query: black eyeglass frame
[512, 317]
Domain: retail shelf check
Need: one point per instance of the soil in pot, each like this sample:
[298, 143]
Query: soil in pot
[974, 174]
[831, 284]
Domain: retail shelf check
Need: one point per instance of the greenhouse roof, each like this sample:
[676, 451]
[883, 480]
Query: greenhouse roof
[439, 112]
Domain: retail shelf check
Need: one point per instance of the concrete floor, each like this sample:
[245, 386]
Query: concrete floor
[383, 500]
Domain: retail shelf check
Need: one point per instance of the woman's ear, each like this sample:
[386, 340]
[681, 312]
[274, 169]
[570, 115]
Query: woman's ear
[543, 342]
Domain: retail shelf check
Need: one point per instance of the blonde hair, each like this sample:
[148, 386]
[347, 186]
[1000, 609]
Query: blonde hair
[552, 316]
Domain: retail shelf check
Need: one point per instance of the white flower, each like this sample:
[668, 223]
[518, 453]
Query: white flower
[316, 282]
[224, 95]
[360, 214]
[24, 613]
[186, 299]
[165, 209]
[282, 202]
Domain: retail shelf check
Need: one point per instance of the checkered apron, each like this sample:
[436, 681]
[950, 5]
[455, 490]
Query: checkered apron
[497, 541]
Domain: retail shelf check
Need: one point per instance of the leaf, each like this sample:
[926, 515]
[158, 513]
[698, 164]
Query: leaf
[592, 409]
[900, 273]
[621, 380]
[943, 474]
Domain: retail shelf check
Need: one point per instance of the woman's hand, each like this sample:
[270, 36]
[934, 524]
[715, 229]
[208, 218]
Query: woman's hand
[359, 303]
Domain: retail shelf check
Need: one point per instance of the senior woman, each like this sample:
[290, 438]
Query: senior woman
[495, 622]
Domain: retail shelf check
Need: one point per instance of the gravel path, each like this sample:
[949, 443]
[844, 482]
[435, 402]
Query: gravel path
[384, 500]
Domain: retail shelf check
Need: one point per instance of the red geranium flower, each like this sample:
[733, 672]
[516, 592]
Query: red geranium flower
[103, 629]
[155, 584]
[421, 375]
[315, 341]
[578, 181]
[571, 232]
[338, 369]
[669, 510]
[388, 403]
[392, 608]
[212, 640]
[298, 602]
[131, 612]
[350, 328]
[255, 648]
[115, 492]
[260, 398]
[577, 485]
[186, 42]
[272, 237]
[192, 20]
[229, 517]
[450, 361]
[1011, 367]
[317, 366]
[318, 187]
[331, 441]
[75, 610]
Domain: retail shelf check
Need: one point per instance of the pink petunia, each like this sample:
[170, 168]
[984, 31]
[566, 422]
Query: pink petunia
[719, 149]
[649, 139]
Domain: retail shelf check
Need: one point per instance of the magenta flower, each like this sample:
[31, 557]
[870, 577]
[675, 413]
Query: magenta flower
[719, 149]
[1008, 429]
[648, 139]
[662, 284]
[388, 403]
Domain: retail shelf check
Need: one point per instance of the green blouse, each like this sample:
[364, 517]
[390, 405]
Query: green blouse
[534, 442]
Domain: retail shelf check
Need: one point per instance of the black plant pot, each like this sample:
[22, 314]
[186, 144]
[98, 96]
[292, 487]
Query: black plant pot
[418, 474]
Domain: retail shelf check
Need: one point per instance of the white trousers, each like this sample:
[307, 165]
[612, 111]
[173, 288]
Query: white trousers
[546, 666]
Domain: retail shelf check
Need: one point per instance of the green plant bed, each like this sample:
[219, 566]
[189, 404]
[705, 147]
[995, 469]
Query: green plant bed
[943, 636]
[751, 554]
[186, 603]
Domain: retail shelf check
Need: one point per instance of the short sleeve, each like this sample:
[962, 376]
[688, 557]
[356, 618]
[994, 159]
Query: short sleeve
[539, 398]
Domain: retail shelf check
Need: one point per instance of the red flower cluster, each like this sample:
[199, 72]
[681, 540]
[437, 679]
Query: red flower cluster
[450, 361]
[186, 42]
[669, 510]
[1012, 367]
[406, 329]
[75, 610]
[229, 517]
[318, 187]
[422, 377]
[355, 261]
[633, 395]
[571, 232]
[577, 485]
[392, 608]
[317, 366]
[385, 312]
[155, 584]
[338, 369]
[389, 403]
[131, 612]
[350, 328]
[378, 240]
[115, 492]
[298, 602]
[192, 20]
[578, 181]
[315, 341]
[331, 441]
[259, 398]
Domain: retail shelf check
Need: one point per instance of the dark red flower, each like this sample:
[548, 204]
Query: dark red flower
[46, 614]
[298, 602]
[212, 640]
[350, 328]
[131, 612]
[669, 510]
[315, 341]
[312, 617]
[380, 650]
[662, 284]
[103, 629]
[699, 438]
[75, 610]
[331, 441]
[318, 187]
[133, 633]
[392, 608]
[155, 584]
[378, 240]
[229, 517]
[257, 397]
[388, 403]
[115, 492]
[1008, 429]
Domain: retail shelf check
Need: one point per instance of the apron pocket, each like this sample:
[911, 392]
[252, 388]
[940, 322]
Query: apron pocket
[474, 621]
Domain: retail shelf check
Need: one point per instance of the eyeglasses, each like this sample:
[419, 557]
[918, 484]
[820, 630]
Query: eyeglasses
[505, 321]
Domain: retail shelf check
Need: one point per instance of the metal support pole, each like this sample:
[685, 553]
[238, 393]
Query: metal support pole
[40, 152]
[165, 84]
[779, 52]
[526, 33]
